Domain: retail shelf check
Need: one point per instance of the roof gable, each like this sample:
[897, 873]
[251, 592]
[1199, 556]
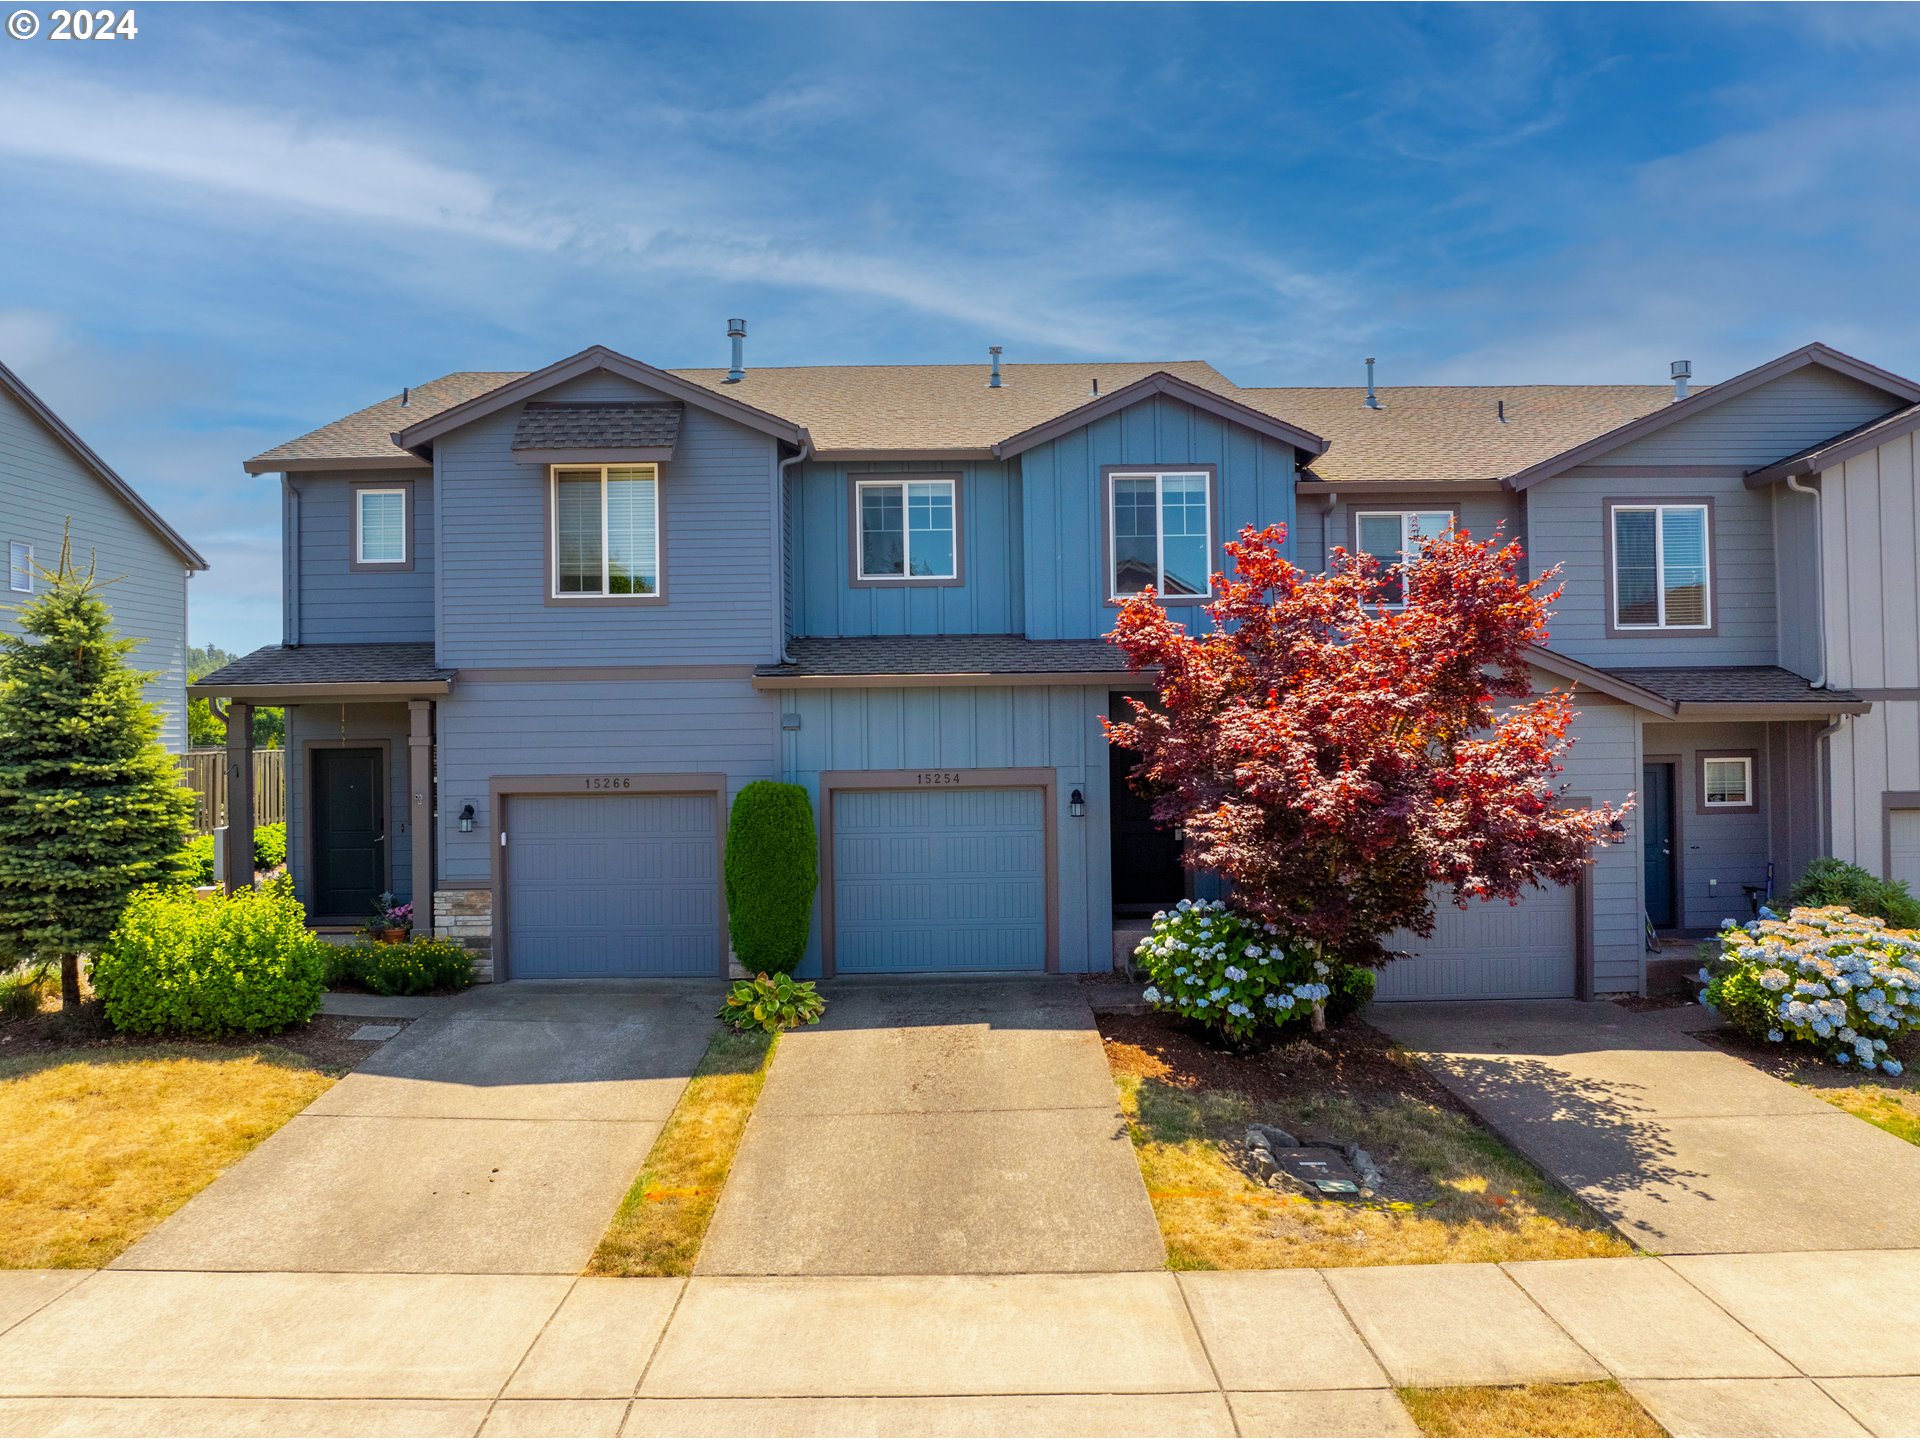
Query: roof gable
[1839, 449]
[1161, 383]
[1898, 387]
[98, 468]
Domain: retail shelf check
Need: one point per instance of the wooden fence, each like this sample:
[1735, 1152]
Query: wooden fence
[205, 773]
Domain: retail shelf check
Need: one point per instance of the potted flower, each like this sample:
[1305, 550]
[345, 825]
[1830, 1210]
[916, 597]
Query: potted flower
[390, 923]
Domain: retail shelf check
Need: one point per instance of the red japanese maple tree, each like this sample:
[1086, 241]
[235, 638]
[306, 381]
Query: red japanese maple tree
[1335, 759]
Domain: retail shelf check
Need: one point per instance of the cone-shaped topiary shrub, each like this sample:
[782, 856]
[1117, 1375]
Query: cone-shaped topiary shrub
[772, 872]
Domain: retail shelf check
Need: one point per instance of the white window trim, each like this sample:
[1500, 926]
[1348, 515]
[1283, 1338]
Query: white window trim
[906, 577]
[406, 525]
[1659, 513]
[1406, 518]
[13, 585]
[604, 594]
[1159, 477]
[1745, 802]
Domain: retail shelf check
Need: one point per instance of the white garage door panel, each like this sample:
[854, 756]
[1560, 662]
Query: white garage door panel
[1491, 951]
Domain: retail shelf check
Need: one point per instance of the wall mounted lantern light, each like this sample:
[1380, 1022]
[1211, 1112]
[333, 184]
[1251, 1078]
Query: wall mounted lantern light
[1077, 805]
[466, 819]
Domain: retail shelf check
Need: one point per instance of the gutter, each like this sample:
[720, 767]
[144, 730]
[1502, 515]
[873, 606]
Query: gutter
[1800, 487]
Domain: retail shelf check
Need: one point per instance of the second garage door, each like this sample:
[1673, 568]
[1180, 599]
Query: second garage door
[939, 880]
[612, 885]
[1490, 952]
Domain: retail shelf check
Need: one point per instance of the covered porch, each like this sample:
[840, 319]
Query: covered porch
[361, 794]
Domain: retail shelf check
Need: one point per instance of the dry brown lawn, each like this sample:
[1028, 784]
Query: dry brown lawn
[1598, 1408]
[1455, 1193]
[98, 1146]
[660, 1225]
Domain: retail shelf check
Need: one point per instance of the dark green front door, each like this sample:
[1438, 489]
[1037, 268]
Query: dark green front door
[1656, 830]
[349, 832]
[1148, 860]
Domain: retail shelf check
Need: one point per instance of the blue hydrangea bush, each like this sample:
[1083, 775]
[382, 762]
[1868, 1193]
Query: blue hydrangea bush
[1227, 971]
[1846, 985]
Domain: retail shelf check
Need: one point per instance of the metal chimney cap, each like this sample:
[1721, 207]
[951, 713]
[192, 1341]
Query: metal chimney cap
[737, 328]
[1680, 370]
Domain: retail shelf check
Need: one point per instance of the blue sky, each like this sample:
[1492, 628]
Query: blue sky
[253, 219]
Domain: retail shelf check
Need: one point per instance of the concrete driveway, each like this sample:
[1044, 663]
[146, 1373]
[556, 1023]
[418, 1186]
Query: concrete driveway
[931, 1127]
[495, 1136]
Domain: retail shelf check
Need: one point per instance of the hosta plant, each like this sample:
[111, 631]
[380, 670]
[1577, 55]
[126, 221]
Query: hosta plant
[772, 1003]
[1847, 985]
[1227, 971]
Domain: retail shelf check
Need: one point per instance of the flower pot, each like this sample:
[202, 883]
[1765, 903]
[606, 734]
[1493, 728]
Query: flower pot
[393, 937]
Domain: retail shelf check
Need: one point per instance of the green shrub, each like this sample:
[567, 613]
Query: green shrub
[772, 1003]
[22, 988]
[771, 874]
[212, 965]
[269, 847]
[1828, 881]
[198, 860]
[1227, 970]
[1352, 988]
[1843, 983]
[412, 967]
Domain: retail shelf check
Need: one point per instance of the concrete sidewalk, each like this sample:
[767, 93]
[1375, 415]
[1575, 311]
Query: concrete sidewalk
[496, 1135]
[1686, 1149]
[1714, 1345]
[929, 1127]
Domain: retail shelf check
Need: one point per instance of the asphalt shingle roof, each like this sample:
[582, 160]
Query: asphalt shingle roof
[403, 664]
[948, 655]
[546, 426]
[368, 434]
[1729, 684]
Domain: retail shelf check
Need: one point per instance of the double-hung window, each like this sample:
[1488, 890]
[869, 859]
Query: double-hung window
[1393, 538]
[1726, 782]
[907, 530]
[1159, 533]
[20, 566]
[1662, 556]
[605, 523]
[380, 526]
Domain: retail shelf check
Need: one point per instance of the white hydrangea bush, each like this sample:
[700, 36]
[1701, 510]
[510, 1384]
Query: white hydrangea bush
[1847, 985]
[1226, 970]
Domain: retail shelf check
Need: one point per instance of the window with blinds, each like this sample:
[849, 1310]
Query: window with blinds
[20, 567]
[380, 527]
[606, 531]
[1392, 537]
[1661, 578]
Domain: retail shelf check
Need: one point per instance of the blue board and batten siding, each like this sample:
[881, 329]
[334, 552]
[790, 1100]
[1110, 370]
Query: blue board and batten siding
[328, 601]
[353, 726]
[44, 489]
[1064, 510]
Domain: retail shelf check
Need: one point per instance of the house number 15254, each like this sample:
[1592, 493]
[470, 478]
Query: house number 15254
[937, 777]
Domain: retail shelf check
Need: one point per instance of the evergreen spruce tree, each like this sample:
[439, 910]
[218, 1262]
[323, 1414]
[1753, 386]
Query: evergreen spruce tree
[91, 807]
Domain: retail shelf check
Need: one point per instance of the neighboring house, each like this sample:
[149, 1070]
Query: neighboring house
[50, 483]
[540, 628]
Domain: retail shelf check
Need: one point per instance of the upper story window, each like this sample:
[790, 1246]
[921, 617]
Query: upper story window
[1392, 537]
[906, 530]
[1661, 566]
[605, 526]
[1159, 533]
[380, 526]
[20, 567]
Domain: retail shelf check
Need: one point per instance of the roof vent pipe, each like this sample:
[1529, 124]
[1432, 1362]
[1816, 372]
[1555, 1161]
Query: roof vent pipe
[1096, 385]
[406, 396]
[1373, 400]
[737, 332]
[993, 357]
[1500, 411]
[1682, 372]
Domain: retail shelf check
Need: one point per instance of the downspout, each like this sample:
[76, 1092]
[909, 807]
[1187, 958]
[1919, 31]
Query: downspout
[1795, 484]
[806, 449]
[291, 550]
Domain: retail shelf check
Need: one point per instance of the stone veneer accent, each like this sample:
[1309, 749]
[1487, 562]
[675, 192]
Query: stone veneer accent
[466, 916]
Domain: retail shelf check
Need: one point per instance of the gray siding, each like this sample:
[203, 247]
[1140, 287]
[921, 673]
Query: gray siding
[587, 727]
[1604, 766]
[349, 724]
[721, 505]
[1720, 852]
[1064, 512]
[42, 487]
[336, 604]
[1872, 533]
[988, 602]
[1796, 559]
[1765, 424]
[1479, 514]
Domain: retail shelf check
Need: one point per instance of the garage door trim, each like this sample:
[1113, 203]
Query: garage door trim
[502, 788]
[932, 777]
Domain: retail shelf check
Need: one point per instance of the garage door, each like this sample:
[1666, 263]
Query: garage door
[612, 885]
[1490, 952]
[939, 880]
[1903, 847]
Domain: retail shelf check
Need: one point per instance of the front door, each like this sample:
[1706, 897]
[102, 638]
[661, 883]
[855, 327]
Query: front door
[1148, 867]
[349, 832]
[1656, 830]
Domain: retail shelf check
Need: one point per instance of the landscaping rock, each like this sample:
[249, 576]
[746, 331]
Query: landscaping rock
[1323, 1169]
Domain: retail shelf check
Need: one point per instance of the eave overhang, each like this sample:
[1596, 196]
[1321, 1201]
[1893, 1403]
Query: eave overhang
[294, 693]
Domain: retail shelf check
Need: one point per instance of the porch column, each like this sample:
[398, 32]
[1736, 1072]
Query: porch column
[239, 845]
[420, 810]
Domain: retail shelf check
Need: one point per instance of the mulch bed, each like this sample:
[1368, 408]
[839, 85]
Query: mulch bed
[1796, 1066]
[323, 1040]
[1349, 1058]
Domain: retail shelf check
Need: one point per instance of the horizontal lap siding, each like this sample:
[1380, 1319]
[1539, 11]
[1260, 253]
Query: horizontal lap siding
[1064, 508]
[1732, 848]
[1767, 423]
[988, 602]
[353, 724]
[722, 588]
[584, 727]
[343, 606]
[1050, 727]
[1604, 766]
[42, 487]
